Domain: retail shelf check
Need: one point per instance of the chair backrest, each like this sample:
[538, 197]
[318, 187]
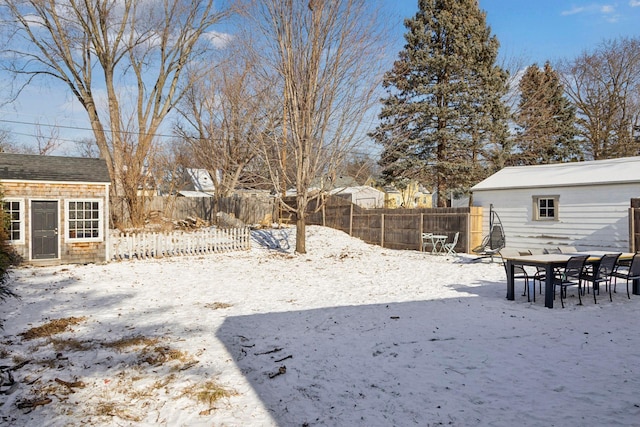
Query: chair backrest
[607, 264]
[634, 268]
[455, 239]
[574, 266]
[496, 237]
[552, 251]
[536, 251]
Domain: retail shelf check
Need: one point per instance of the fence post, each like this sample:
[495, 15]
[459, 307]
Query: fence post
[351, 219]
[421, 230]
[324, 215]
[382, 230]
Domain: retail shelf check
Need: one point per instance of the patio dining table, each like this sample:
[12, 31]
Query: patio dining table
[437, 243]
[550, 262]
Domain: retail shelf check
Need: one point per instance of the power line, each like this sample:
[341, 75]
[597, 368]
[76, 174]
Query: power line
[80, 128]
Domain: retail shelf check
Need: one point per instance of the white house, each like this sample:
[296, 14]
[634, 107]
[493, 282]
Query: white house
[362, 195]
[200, 184]
[582, 204]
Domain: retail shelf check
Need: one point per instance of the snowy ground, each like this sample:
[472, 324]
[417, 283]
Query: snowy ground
[346, 335]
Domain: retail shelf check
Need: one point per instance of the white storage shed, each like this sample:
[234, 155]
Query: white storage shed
[581, 204]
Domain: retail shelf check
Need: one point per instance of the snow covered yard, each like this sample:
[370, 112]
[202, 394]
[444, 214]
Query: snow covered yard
[346, 335]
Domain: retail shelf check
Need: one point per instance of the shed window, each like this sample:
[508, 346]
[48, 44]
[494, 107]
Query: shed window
[84, 219]
[546, 208]
[14, 211]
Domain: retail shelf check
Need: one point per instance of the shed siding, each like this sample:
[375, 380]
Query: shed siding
[591, 218]
[70, 251]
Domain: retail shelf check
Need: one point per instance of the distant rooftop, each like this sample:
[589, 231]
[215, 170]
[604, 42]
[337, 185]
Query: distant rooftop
[22, 167]
[595, 172]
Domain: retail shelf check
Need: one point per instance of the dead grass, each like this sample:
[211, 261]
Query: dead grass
[160, 355]
[53, 327]
[208, 393]
[70, 344]
[129, 342]
[217, 305]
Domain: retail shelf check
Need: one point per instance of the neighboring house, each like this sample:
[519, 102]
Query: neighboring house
[362, 195]
[582, 204]
[415, 195]
[199, 184]
[58, 207]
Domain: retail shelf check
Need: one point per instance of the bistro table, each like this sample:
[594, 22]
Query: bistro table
[437, 243]
[550, 262]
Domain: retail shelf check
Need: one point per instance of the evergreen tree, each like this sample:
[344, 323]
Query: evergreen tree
[546, 119]
[444, 105]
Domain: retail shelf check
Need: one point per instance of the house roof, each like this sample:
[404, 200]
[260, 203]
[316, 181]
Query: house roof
[28, 167]
[624, 170]
[201, 179]
[188, 193]
[355, 190]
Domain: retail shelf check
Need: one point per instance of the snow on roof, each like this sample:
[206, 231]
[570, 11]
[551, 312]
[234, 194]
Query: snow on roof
[187, 193]
[201, 179]
[610, 171]
[355, 189]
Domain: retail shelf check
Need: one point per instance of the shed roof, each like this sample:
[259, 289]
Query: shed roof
[29, 167]
[625, 170]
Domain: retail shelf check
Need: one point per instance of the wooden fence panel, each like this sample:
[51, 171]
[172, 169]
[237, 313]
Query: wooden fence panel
[402, 228]
[248, 209]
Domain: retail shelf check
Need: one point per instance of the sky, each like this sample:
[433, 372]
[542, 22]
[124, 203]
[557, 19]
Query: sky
[349, 334]
[529, 32]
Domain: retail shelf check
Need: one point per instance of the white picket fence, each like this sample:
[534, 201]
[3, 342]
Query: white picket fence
[152, 245]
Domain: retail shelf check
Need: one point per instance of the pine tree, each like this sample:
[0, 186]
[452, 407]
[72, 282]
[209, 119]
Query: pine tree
[546, 119]
[444, 103]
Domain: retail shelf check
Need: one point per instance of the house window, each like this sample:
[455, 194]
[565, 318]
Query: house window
[15, 219]
[545, 208]
[84, 219]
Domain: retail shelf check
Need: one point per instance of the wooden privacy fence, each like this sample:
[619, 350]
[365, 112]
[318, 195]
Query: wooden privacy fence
[153, 245]
[400, 228]
[634, 225]
[248, 209]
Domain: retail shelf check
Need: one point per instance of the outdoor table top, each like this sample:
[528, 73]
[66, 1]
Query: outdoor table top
[562, 258]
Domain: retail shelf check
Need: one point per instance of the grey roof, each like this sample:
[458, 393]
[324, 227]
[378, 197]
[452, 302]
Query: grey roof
[28, 167]
[625, 170]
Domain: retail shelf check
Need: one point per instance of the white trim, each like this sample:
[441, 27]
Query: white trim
[100, 228]
[21, 240]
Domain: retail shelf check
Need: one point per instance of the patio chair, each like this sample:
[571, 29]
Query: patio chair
[494, 241]
[426, 240]
[601, 273]
[491, 244]
[541, 273]
[519, 273]
[570, 275]
[450, 248]
[632, 272]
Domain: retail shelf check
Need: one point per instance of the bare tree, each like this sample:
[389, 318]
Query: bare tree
[323, 56]
[47, 142]
[123, 60]
[221, 117]
[604, 87]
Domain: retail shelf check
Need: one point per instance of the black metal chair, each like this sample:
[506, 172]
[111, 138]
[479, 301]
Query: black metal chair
[601, 273]
[519, 273]
[629, 273]
[570, 275]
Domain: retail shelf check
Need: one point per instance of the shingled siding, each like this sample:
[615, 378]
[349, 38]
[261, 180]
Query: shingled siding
[69, 251]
